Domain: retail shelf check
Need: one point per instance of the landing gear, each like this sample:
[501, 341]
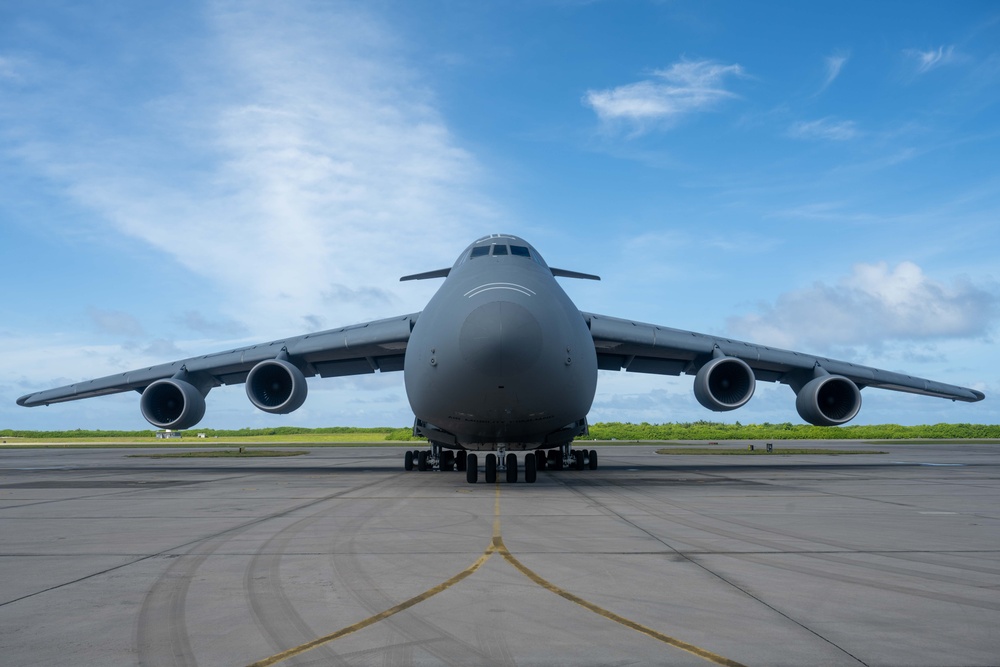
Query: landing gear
[566, 458]
[491, 468]
[511, 468]
[471, 468]
[529, 468]
[502, 461]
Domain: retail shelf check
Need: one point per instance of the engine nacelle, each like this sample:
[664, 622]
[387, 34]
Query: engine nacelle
[829, 400]
[724, 383]
[172, 404]
[276, 386]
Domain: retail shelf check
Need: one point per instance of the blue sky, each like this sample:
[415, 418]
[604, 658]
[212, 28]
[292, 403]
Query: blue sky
[179, 178]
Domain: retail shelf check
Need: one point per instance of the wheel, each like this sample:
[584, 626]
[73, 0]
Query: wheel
[460, 460]
[408, 461]
[447, 460]
[593, 459]
[471, 468]
[491, 468]
[530, 468]
[422, 461]
[578, 459]
[511, 468]
[539, 459]
[555, 460]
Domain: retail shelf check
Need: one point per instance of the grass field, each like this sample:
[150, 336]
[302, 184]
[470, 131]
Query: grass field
[241, 453]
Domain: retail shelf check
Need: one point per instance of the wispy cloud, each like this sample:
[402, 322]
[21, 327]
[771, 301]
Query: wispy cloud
[834, 64]
[296, 153]
[827, 129]
[9, 69]
[682, 89]
[876, 303]
[115, 322]
[196, 321]
[927, 60]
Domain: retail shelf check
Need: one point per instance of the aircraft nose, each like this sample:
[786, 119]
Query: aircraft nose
[501, 338]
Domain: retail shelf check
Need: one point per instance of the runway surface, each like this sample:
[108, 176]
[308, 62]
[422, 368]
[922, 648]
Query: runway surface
[342, 558]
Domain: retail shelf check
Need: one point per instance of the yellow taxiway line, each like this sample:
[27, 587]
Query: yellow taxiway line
[498, 547]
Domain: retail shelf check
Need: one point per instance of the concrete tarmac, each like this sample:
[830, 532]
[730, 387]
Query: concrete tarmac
[340, 557]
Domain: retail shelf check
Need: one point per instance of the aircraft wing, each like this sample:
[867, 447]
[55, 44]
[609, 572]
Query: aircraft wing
[354, 350]
[648, 348]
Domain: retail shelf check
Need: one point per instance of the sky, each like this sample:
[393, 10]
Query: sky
[186, 177]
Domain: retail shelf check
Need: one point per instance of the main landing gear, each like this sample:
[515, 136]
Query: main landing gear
[503, 462]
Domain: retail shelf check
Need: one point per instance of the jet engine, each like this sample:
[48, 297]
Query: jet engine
[828, 400]
[276, 386]
[172, 404]
[724, 383]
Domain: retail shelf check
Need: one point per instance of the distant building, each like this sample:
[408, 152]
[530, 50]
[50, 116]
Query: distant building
[163, 435]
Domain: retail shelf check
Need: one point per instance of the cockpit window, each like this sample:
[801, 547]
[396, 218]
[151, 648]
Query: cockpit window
[480, 251]
[520, 251]
[499, 249]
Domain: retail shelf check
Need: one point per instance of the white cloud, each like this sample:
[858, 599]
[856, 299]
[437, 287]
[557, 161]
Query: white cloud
[683, 88]
[824, 129]
[834, 64]
[297, 154]
[9, 69]
[927, 60]
[873, 305]
[115, 322]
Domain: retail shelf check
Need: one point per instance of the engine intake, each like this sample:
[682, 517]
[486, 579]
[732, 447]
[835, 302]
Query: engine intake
[172, 404]
[724, 383]
[277, 386]
[830, 400]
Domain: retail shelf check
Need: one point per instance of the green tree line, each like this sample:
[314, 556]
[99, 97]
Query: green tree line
[705, 430]
[700, 430]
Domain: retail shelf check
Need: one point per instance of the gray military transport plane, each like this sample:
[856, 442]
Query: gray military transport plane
[500, 360]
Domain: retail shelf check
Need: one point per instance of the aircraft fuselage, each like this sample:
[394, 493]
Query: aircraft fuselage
[501, 355]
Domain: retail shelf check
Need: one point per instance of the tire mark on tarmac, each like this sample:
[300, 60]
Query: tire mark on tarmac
[682, 554]
[417, 630]
[497, 546]
[273, 612]
[161, 630]
[842, 556]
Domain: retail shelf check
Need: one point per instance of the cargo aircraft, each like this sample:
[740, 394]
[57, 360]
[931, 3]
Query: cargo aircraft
[500, 360]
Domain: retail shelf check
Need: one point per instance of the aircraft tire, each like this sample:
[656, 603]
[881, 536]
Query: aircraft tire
[530, 468]
[447, 460]
[578, 459]
[540, 459]
[593, 459]
[472, 469]
[491, 468]
[460, 460]
[555, 460]
[408, 461]
[422, 461]
[512, 468]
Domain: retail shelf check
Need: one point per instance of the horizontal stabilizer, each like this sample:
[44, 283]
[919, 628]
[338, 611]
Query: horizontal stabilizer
[438, 273]
[563, 273]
